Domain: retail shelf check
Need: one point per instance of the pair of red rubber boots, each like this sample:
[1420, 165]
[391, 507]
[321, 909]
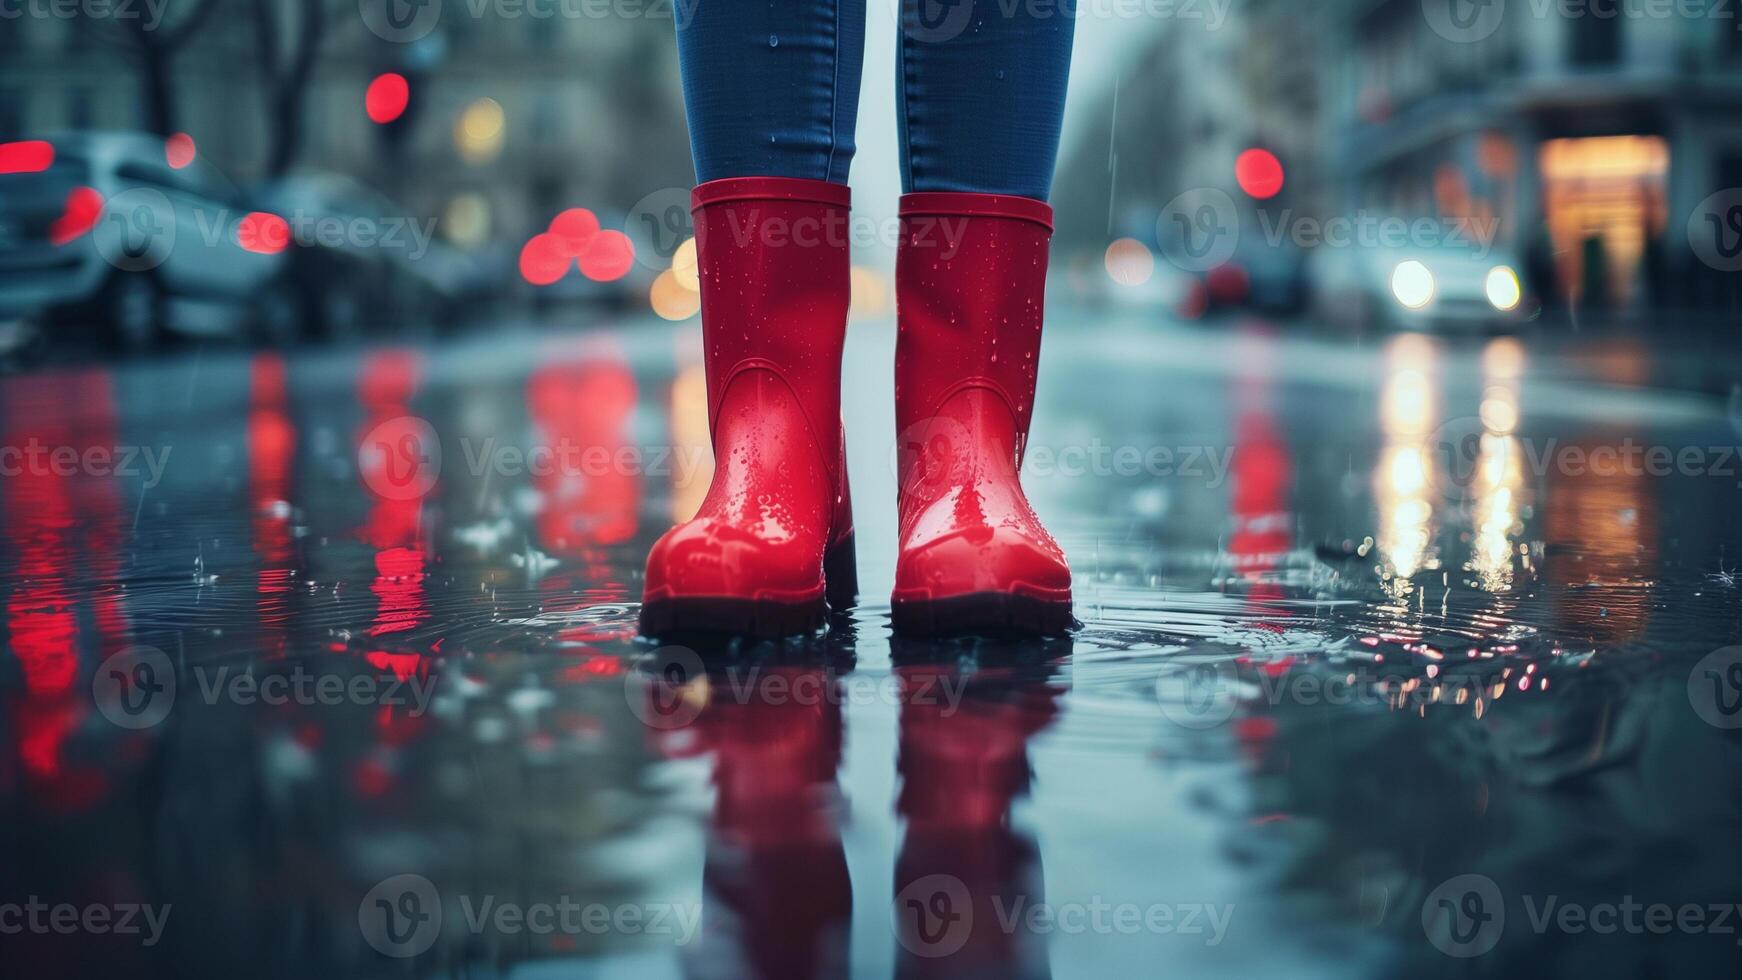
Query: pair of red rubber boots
[771, 548]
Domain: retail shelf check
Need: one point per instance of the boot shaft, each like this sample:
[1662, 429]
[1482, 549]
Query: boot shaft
[970, 280]
[775, 270]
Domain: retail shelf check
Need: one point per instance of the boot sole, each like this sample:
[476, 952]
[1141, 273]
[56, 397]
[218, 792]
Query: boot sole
[759, 618]
[982, 612]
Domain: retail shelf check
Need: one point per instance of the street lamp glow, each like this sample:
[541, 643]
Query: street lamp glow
[1412, 284]
[479, 133]
[1502, 288]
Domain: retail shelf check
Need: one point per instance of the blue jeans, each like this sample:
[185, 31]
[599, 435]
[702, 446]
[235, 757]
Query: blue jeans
[771, 88]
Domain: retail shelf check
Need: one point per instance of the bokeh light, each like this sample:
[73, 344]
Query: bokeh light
[26, 157]
[263, 233]
[573, 229]
[1259, 173]
[1412, 284]
[542, 261]
[684, 265]
[467, 220]
[479, 133]
[608, 256]
[179, 150]
[1502, 288]
[387, 97]
[79, 215]
[1129, 262]
[671, 300]
[869, 292]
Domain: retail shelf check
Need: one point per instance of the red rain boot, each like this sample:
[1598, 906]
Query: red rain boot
[776, 521]
[970, 282]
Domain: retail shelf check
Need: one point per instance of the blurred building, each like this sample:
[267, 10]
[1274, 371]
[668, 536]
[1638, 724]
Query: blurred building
[1591, 133]
[512, 117]
[1183, 109]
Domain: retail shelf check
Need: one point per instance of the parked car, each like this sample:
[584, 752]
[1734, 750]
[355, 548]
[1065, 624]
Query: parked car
[359, 263]
[99, 228]
[1425, 287]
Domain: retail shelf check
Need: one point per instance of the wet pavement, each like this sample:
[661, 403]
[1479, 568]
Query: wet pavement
[1397, 659]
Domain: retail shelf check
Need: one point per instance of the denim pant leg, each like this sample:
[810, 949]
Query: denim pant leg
[981, 93]
[771, 87]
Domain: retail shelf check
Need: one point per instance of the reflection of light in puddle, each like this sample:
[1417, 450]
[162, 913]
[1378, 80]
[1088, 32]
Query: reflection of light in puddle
[1401, 481]
[1499, 474]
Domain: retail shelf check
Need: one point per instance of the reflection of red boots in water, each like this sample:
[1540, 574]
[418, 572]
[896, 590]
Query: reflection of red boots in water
[778, 901]
[774, 277]
[970, 284]
[963, 869]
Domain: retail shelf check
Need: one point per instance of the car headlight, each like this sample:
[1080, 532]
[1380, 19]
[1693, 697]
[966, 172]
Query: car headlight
[1502, 288]
[1412, 284]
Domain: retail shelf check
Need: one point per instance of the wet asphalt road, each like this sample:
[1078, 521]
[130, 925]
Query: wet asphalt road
[1405, 657]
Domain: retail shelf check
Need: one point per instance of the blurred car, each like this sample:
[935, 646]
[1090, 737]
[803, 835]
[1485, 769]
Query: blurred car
[358, 262]
[1429, 287]
[100, 228]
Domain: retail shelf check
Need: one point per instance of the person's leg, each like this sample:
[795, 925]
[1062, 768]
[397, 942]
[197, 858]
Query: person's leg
[981, 94]
[982, 98]
[771, 88]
